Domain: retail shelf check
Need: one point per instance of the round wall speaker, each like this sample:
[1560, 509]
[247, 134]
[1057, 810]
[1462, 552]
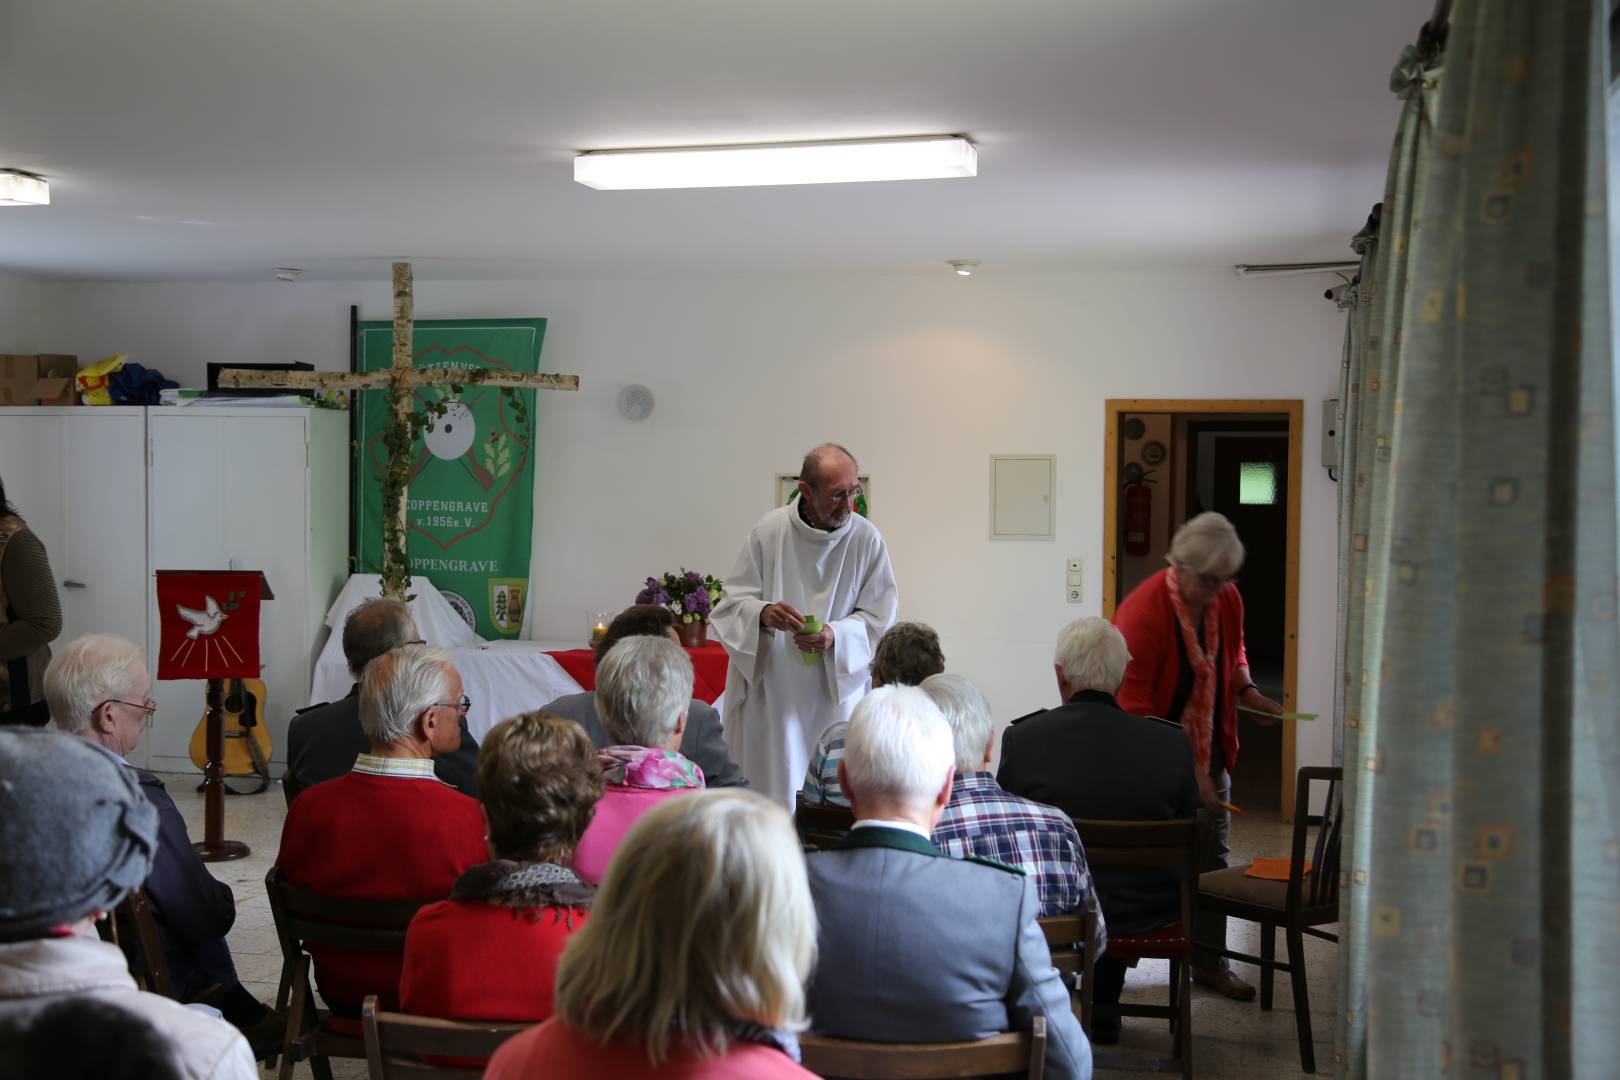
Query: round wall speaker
[635, 402]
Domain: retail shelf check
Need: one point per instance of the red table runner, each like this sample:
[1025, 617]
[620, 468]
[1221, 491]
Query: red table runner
[708, 669]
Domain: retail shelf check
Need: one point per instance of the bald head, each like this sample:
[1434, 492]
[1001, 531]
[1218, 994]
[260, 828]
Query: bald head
[375, 627]
[827, 482]
[823, 459]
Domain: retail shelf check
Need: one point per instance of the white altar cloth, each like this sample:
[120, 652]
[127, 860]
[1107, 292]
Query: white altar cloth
[503, 678]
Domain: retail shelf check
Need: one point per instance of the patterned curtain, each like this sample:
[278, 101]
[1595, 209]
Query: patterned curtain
[1481, 893]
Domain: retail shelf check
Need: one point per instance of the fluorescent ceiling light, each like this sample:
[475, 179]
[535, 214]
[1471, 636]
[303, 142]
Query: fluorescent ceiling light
[928, 157]
[23, 189]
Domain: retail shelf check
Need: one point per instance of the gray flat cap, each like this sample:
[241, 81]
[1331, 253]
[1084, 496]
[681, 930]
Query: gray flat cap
[76, 833]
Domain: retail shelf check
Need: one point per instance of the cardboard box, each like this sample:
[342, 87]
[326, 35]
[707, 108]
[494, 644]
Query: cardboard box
[46, 379]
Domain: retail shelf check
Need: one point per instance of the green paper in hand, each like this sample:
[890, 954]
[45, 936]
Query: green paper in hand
[812, 625]
[1278, 715]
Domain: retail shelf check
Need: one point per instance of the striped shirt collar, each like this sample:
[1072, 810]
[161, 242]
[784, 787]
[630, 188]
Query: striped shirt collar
[409, 768]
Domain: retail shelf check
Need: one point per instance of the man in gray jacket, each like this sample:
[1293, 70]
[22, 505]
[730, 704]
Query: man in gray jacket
[915, 946]
[705, 739]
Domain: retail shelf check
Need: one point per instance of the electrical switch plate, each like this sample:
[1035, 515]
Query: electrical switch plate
[1075, 579]
[1074, 594]
[1076, 566]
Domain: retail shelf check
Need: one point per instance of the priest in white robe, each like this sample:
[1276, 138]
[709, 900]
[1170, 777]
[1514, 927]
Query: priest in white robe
[815, 556]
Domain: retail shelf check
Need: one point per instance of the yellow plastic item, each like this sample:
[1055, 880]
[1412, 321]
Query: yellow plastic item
[95, 382]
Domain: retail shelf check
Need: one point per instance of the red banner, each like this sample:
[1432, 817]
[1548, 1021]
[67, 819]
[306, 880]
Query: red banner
[210, 624]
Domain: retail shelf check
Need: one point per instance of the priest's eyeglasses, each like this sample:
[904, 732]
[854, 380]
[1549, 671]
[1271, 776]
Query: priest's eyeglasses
[460, 706]
[844, 496]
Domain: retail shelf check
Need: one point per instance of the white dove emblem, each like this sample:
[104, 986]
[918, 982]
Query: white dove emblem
[203, 623]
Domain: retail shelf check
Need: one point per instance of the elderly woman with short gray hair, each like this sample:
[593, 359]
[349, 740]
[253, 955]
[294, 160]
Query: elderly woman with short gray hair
[643, 689]
[1184, 627]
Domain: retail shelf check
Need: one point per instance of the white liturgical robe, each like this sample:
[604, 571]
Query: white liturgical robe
[776, 704]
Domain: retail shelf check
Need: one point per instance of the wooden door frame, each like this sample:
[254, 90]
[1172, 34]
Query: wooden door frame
[1294, 411]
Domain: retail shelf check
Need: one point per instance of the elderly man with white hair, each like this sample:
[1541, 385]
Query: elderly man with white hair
[915, 946]
[323, 740]
[1091, 759]
[643, 691]
[985, 819]
[98, 688]
[388, 829]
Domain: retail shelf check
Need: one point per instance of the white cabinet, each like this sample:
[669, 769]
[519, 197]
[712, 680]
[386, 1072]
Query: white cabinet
[78, 477]
[250, 489]
[116, 493]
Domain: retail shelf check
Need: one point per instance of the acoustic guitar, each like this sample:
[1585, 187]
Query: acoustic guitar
[247, 740]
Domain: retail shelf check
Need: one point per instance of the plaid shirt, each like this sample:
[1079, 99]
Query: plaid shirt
[985, 820]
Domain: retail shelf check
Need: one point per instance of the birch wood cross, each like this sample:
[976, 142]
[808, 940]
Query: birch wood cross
[400, 380]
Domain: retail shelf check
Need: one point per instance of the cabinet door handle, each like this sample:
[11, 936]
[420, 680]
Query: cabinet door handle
[71, 584]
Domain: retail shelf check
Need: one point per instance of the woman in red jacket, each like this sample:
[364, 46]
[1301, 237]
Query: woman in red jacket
[490, 952]
[693, 964]
[1184, 627]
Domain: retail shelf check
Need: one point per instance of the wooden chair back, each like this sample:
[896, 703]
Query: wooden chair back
[1013, 1052]
[821, 825]
[1069, 937]
[1148, 845]
[1320, 888]
[396, 1043]
[132, 927]
[303, 918]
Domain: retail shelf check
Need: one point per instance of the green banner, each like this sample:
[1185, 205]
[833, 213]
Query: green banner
[471, 489]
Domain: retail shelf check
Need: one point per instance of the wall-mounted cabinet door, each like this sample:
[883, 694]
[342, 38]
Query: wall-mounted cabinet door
[230, 493]
[78, 477]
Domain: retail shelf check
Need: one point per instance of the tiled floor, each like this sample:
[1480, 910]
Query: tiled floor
[1231, 1040]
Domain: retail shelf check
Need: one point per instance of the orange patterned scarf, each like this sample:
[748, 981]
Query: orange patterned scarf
[1198, 715]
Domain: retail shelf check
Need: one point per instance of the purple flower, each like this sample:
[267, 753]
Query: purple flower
[644, 596]
[694, 577]
[652, 583]
[700, 602]
[662, 597]
[690, 603]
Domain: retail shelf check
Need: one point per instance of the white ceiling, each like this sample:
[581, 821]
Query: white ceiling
[220, 138]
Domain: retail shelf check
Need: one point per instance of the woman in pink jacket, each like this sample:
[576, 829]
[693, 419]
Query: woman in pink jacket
[693, 964]
[643, 688]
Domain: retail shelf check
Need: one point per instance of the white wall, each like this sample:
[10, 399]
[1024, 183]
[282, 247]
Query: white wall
[21, 315]
[924, 378]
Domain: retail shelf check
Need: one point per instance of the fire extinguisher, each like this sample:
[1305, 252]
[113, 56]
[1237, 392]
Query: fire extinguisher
[1138, 516]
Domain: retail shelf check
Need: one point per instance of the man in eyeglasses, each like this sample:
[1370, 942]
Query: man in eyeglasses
[787, 682]
[98, 688]
[324, 740]
[388, 829]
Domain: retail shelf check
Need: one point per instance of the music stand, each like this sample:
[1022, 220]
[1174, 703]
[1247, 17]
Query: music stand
[209, 623]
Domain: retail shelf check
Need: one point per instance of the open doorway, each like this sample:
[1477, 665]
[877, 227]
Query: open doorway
[1168, 460]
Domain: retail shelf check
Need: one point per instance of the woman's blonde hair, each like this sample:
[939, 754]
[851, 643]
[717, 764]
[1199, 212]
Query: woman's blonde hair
[1208, 544]
[703, 920]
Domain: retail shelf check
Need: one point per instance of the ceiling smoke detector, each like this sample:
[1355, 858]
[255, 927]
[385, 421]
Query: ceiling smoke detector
[963, 267]
[287, 273]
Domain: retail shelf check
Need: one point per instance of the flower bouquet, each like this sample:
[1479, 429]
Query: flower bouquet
[689, 594]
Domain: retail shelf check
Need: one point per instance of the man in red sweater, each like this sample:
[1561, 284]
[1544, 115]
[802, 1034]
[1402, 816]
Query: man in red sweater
[389, 829]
